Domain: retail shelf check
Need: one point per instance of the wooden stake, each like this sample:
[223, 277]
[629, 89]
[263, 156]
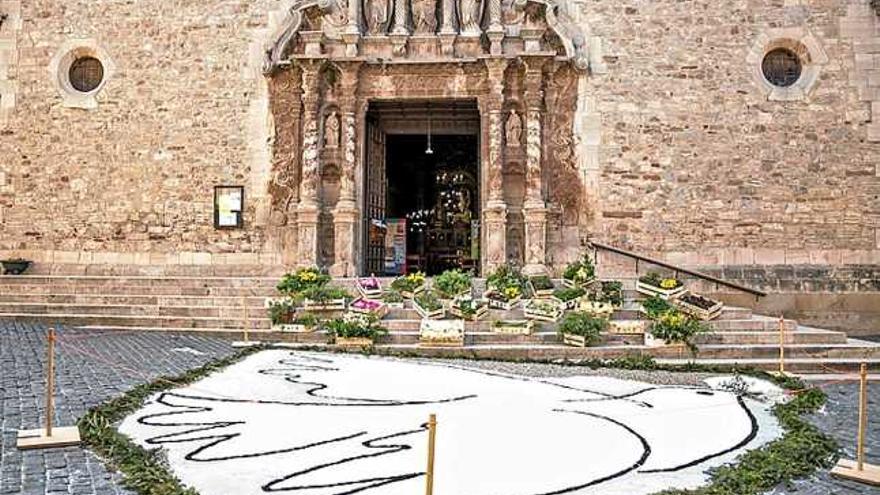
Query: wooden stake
[247, 320]
[863, 417]
[432, 435]
[781, 345]
[50, 381]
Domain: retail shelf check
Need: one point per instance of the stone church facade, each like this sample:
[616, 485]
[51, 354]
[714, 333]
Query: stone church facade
[653, 126]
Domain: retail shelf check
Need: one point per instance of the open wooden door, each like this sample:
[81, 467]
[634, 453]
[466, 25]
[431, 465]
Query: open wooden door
[376, 184]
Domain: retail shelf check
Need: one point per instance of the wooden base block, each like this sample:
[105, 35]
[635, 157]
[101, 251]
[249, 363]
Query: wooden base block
[249, 343]
[37, 439]
[846, 469]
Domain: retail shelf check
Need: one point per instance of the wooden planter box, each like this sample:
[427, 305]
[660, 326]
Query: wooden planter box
[540, 293]
[441, 333]
[575, 340]
[331, 305]
[432, 315]
[652, 341]
[604, 310]
[481, 312]
[380, 311]
[571, 283]
[396, 305]
[531, 312]
[698, 312]
[293, 328]
[651, 290]
[573, 304]
[525, 327]
[270, 301]
[369, 293]
[412, 294]
[354, 342]
[499, 304]
[628, 327]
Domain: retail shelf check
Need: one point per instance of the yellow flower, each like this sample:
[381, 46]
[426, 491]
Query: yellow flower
[511, 292]
[581, 274]
[668, 283]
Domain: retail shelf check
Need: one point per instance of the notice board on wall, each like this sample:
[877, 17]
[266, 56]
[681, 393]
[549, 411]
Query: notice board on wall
[395, 246]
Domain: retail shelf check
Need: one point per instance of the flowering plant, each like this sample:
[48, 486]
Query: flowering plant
[292, 284]
[581, 271]
[409, 282]
[674, 326]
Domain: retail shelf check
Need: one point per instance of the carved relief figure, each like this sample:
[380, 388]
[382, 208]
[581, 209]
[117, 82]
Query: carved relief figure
[514, 129]
[377, 16]
[469, 12]
[424, 14]
[331, 130]
[335, 14]
[513, 11]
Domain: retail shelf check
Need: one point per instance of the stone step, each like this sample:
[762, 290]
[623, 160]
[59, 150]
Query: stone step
[799, 336]
[796, 366]
[96, 310]
[132, 300]
[851, 349]
[123, 281]
[140, 290]
[141, 321]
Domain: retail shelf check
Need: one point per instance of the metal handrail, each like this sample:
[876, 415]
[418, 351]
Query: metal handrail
[678, 269]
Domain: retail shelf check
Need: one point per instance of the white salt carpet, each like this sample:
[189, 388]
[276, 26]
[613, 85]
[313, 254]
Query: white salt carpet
[324, 424]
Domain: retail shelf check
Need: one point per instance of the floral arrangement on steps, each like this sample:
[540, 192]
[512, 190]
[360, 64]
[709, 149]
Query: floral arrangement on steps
[608, 291]
[428, 305]
[441, 333]
[355, 329]
[654, 306]
[452, 283]
[569, 296]
[281, 311]
[410, 284]
[369, 306]
[700, 307]
[505, 287]
[596, 308]
[582, 329]
[293, 284]
[541, 286]
[302, 323]
[369, 287]
[394, 299]
[324, 298]
[469, 309]
[673, 327]
[580, 273]
[653, 284]
[543, 309]
[517, 327]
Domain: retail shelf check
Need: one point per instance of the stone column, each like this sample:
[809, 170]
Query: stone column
[400, 32]
[495, 213]
[447, 31]
[309, 208]
[352, 33]
[534, 208]
[345, 214]
[495, 32]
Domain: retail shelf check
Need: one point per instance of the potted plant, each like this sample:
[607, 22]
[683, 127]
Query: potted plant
[600, 309]
[569, 296]
[582, 329]
[541, 286]
[369, 287]
[393, 299]
[322, 298]
[428, 305]
[543, 309]
[700, 307]
[302, 323]
[281, 311]
[15, 266]
[580, 273]
[369, 306]
[673, 327]
[452, 283]
[409, 285]
[469, 309]
[355, 330]
[441, 333]
[505, 287]
[652, 284]
[611, 291]
[654, 306]
[293, 284]
[517, 327]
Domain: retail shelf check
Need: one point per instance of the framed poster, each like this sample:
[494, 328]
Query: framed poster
[395, 246]
[228, 207]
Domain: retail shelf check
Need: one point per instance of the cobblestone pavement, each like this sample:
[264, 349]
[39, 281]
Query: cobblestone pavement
[91, 368]
[95, 366]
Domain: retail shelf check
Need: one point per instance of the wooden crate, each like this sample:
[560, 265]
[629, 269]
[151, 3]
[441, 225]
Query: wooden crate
[332, 305]
[698, 312]
[526, 329]
[412, 294]
[481, 312]
[628, 327]
[571, 283]
[540, 294]
[574, 340]
[603, 310]
[498, 304]
[369, 293]
[293, 328]
[354, 342]
[424, 313]
[569, 305]
[651, 290]
[379, 312]
[531, 312]
[441, 333]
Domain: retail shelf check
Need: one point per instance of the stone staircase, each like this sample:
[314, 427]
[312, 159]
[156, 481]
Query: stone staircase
[225, 305]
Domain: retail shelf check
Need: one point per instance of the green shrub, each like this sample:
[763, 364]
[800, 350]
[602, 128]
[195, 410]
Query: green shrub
[654, 306]
[581, 271]
[674, 326]
[429, 301]
[567, 294]
[584, 325]
[409, 282]
[452, 283]
[506, 276]
[355, 326]
[281, 312]
[611, 291]
[392, 296]
[323, 294]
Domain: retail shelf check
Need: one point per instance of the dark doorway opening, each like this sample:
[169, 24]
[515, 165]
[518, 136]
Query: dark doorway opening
[438, 195]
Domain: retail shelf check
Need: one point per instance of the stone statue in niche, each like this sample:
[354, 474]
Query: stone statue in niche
[377, 13]
[331, 130]
[514, 129]
[424, 15]
[469, 12]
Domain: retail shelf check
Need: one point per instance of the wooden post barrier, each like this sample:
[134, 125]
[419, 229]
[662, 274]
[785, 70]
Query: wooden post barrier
[432, 437]
[859, 470]
[781, 345]
[48, 436]
[247, 327]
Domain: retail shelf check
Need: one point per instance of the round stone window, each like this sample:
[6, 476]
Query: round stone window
[782, 67]
[86, 74]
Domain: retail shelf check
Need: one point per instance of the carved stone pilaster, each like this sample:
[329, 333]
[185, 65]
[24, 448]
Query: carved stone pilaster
[495, 225]
[534, 208]
[307, 224]
[495, 215]
[344, 223]
[535, 239]
[345, 215]
[308, 209]
[495, 32]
